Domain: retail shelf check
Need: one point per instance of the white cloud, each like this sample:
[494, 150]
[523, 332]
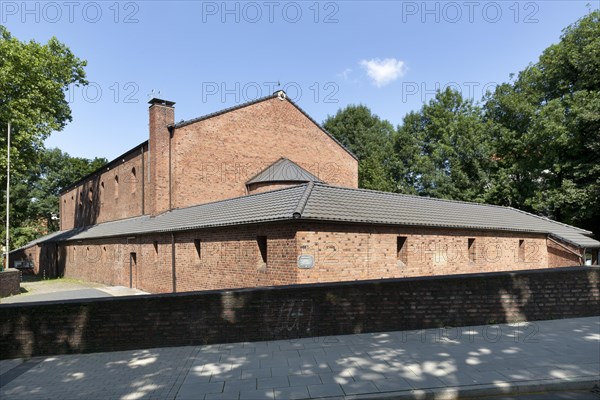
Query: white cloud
[383, 72]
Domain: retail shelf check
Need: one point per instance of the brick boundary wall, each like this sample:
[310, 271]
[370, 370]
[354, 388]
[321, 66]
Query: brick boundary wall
[288, 312]
[10, 282]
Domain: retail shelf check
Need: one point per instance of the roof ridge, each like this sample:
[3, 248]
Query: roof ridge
[413, 196]
[86, 177]
[303, 200]
[574, 228]
[583, 231]
[231, 199]
[264, 169]
[223, 111]
[272, 171]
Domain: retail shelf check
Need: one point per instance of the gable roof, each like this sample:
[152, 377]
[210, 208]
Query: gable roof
[319, 202]
[279, 94]
[283, 170]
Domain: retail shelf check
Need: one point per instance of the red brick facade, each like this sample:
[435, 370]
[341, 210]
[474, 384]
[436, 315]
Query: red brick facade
[230, 257]
[211, 159]
[113, 193]
[172, 170]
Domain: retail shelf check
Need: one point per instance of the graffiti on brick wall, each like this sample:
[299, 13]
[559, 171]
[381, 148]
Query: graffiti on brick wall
[291, 319]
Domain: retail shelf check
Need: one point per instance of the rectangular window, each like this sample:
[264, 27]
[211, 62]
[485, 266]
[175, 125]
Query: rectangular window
[262, 247]
[521, 250]
[472, 250]
[155, 244]
[401, 253]
[198, 246]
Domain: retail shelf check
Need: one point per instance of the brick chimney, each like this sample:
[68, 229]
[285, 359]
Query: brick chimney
[162, 115]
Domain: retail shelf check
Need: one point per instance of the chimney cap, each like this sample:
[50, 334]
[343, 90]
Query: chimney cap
[161, 102]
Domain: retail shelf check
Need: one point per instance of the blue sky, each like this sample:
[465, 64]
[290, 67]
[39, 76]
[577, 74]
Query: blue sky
[205, 55]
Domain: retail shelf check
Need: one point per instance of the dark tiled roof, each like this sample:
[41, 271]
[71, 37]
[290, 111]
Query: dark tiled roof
[329, 203]
[320, 202]
[283, 170]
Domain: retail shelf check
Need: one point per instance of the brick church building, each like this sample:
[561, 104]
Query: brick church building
[260, 194]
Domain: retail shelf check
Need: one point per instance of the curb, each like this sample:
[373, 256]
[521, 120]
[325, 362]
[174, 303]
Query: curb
[475, 391]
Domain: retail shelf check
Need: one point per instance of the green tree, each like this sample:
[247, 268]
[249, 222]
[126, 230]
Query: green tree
[370, 139]
[452, 156]
[33, 80]
[547, 131]
[35, 195]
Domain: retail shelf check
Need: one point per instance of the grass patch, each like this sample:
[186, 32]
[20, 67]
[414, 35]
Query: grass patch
[39, 279]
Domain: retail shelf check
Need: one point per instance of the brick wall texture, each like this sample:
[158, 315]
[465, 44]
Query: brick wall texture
[205, 161]
[298, 311]
[227, 258]
[10, 282]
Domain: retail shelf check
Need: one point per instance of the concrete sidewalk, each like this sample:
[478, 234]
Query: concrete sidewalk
[467, 362]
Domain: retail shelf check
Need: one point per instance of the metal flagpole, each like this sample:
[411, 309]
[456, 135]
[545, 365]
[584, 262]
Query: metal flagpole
[7, 196]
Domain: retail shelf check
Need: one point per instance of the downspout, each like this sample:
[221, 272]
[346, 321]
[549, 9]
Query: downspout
[143, 180]
[173, 271]
[171, 133]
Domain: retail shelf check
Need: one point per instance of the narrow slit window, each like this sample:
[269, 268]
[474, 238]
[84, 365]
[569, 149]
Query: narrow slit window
[472, 250]
[262, 247]
[133, 180]
[116, 186]
[522, 250]
[198, 246]
[401, 253]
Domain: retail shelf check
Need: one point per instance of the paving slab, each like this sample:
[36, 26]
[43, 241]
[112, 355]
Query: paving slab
[562, 355]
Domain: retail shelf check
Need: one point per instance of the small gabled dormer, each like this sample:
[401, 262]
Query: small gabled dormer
[280, 174]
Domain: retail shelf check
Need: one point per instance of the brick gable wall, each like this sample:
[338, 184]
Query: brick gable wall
[213, 159]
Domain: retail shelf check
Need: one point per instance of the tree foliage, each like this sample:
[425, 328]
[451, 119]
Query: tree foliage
[370, 139]
[533, 144]
[33, 80]
[450, 156]
[547, 130]
[35, 194]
